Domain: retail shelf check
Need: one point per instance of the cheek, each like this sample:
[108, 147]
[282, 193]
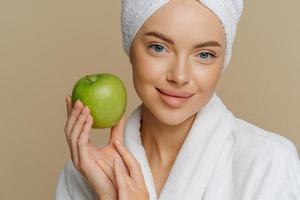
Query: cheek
[148, 70]
[207, 79]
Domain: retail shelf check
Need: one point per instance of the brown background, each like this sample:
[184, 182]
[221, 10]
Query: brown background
[45, 46]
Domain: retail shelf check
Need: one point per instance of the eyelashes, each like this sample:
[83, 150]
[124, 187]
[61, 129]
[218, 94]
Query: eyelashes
[207, 53]
[155, 45]
[158, 49]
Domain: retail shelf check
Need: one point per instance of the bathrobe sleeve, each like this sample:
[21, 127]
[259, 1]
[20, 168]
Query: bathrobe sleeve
[278, 177]
[71, 185]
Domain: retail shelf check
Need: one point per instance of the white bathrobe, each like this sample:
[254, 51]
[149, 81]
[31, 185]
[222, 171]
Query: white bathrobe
[222, 158]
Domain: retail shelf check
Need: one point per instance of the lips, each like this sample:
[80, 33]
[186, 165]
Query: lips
[174, 99]
[178, 94]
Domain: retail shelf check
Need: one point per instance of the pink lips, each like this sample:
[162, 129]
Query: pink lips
[175, 93]
[174, 98]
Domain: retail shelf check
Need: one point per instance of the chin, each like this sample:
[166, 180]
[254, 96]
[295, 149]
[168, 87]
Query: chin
[166, 114]
[172, 119]
[168, 119]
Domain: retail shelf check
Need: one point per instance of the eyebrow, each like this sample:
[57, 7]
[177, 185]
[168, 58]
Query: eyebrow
[170, 41]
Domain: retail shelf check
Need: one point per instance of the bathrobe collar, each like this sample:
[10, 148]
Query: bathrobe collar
[197, 157]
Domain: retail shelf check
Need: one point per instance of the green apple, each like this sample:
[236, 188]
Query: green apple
[105, 95]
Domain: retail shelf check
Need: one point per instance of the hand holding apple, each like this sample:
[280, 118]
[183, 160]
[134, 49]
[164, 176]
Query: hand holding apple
[94, 163]
[97, 95]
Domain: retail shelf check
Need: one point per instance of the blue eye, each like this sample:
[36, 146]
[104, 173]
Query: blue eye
[157, 48]
[205, 55]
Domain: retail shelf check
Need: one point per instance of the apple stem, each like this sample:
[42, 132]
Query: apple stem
[89, 79]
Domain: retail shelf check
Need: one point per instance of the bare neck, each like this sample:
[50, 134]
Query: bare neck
[162, 142]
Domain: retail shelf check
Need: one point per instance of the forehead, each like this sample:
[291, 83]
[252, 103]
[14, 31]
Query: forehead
[187, 19]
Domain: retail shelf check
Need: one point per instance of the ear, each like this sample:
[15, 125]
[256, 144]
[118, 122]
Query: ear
[131, 56]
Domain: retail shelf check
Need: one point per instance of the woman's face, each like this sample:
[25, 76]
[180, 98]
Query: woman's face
[180, 48]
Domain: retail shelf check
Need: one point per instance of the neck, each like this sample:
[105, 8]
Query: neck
[161, 141]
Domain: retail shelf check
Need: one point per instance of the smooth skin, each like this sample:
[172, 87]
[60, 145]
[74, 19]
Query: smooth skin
[156, 63]
[180, 67]
[110, 181]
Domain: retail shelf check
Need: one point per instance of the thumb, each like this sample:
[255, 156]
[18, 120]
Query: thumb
[117, 131]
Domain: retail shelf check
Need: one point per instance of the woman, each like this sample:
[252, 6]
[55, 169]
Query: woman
[181, 142]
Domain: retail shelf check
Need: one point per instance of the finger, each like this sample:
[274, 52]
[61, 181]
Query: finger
[121, 181]
[117, 131]
[107, 169]
[75, 111]
[84, 151]
[132, 164]
[77, 128]
[69, 125]
[96, 176]
[83, 138]
[69, 105]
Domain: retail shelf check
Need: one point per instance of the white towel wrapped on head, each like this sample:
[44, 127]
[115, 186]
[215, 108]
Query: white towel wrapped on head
[136, 12]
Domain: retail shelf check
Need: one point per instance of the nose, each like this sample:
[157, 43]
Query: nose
[178, 73]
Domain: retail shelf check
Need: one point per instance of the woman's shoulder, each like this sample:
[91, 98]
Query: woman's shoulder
[264, 162]
[256, 142]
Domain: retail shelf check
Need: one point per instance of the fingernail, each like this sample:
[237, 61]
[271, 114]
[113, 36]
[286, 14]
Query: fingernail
[89, 118]
[77, 102]
[117, 142]
[117, 160]
[85, 109]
